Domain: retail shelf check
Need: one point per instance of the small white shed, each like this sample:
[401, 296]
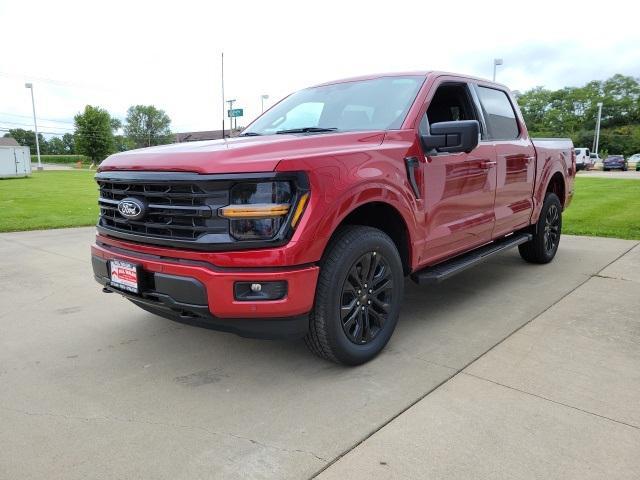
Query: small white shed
[15, 161]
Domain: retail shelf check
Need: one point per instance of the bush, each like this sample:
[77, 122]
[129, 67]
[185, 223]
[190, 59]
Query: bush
[68, 159]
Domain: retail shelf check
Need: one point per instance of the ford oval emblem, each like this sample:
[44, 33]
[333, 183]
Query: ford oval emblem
[132, 208]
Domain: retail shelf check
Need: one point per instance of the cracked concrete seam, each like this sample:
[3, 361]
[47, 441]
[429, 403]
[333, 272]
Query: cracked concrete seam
[597, 275]
[164, 424]
[620, 422]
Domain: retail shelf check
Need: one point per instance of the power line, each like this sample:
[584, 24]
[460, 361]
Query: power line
[31, 125]
[38, 118]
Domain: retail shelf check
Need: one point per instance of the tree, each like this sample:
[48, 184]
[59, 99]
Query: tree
[56, 146]
[27, 138]
[123, 143]
[572, 112]
[146, 125]
[94, 134]
[69, 144]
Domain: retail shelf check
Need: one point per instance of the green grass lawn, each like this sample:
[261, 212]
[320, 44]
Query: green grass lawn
[601, 207]
[604, 207]
[52, 199]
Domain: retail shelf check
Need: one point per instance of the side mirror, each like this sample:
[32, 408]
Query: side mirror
[452, 137]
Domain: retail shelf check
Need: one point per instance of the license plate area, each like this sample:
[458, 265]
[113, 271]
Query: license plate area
[125, 276]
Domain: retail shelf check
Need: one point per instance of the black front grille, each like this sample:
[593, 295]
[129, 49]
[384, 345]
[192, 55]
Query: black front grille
[179, 207]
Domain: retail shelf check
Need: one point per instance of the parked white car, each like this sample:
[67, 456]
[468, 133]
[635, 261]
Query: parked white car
[584, 159]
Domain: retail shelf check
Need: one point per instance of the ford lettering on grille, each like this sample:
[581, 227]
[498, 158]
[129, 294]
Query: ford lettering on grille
[132, 208]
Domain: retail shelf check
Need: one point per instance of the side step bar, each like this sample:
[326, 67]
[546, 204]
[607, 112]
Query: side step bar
[449, 268]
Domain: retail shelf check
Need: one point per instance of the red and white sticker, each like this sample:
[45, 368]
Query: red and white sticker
[124, 275]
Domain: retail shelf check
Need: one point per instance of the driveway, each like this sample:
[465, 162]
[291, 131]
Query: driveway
[93, 387]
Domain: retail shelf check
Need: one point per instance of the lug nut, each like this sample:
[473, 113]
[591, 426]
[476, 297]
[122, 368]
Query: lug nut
[365, 285]
[362, 308]
[370, 291]
[369, 302]
[374, 254]
[358, 302]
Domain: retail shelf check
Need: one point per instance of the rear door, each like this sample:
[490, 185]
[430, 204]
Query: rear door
[515, 157]
[460, 187]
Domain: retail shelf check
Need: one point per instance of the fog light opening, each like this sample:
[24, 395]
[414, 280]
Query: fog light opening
[260, 291]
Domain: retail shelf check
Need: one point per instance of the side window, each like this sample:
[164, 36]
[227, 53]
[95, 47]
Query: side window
[451, 102]
[499, 114]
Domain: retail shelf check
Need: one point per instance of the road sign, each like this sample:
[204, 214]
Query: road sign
[235, 112]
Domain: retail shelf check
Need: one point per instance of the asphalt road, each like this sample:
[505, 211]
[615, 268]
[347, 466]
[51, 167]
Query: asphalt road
[92, 387]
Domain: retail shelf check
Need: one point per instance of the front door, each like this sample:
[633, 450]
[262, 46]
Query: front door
[460, 187]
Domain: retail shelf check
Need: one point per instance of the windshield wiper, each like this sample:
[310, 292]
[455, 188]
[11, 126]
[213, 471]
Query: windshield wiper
[307, 130]
[249, 134]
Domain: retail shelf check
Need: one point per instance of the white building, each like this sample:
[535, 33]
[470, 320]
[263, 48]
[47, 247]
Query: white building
[15, 161]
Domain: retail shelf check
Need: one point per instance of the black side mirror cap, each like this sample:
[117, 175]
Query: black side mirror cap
[452, 137]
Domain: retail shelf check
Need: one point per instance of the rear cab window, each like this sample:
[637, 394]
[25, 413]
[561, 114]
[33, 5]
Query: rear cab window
[499, 114]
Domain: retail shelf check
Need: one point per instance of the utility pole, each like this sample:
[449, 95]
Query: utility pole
[222, 58]
[35, 123]
[262, 99]
[597, 137]
[496, 62]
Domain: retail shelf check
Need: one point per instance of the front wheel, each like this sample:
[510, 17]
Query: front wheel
[358, 296]
[544, 245]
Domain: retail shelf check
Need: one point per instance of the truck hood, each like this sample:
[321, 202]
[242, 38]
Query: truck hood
[240, 154]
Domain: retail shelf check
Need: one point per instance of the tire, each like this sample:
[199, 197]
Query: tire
[544, 245]
[350, 323]
[605, 169]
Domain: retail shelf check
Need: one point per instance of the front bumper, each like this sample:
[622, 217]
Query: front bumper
[202, 294]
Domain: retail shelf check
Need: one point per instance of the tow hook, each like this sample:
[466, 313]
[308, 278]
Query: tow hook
[106, 290]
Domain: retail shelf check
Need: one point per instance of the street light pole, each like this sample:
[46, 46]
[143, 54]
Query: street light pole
[35, 123]
[597, 139]
[262, 99]
[496, 62]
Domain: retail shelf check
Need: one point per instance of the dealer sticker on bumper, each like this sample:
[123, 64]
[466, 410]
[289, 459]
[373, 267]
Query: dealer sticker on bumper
[124, 275]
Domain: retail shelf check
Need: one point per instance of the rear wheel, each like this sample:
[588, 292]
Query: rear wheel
[357, 298]
[544, 245]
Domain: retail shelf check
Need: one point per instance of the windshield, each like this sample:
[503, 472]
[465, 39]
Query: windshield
[378, 104]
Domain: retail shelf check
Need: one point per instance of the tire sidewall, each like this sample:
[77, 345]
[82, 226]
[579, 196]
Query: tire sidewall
[551, 199]
[345, 350]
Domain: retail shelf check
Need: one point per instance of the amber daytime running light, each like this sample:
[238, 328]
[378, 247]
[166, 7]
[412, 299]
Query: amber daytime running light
[258, 210]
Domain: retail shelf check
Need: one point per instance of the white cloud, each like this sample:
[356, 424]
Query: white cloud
[115, 54]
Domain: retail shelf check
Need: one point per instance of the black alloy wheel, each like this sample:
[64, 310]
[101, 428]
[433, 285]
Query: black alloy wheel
[551, 228]
[366, 298]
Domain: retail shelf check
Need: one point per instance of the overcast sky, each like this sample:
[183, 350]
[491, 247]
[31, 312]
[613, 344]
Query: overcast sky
[114, 54]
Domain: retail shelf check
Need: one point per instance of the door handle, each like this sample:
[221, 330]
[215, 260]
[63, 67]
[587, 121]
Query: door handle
[487, 164]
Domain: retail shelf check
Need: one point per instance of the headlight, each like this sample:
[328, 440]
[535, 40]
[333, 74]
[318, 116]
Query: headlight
[258, 210]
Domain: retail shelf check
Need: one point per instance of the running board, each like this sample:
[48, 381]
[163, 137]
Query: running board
[449, 268]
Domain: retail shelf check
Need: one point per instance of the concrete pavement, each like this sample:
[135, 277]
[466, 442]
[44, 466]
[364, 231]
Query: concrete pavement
[557, 399]
[94, 387]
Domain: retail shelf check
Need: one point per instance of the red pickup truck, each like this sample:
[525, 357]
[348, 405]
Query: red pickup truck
[307, 224]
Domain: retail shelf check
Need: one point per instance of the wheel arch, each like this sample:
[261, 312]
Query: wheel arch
[385, 217]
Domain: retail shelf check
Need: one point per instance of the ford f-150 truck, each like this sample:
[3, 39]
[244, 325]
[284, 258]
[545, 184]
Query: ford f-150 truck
[307, 224]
